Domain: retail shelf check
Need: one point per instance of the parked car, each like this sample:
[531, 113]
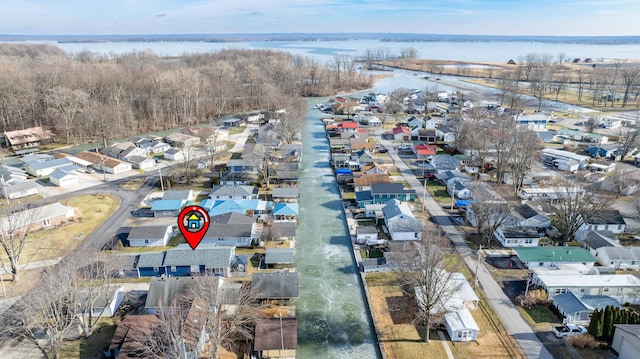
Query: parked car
[568, 329]
[404, 147]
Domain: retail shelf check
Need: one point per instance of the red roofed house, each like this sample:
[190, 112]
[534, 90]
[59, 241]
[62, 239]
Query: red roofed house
[424, 151]
[348, 126]
[401, 133]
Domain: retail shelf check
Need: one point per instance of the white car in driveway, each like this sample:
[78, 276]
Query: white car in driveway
[568, 330]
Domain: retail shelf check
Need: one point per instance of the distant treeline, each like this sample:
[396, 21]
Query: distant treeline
[384, 37]
[89, 97]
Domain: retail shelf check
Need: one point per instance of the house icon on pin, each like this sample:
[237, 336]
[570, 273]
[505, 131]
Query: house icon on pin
[193, 221]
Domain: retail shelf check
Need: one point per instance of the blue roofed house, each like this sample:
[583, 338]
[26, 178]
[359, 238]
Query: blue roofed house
[577, 309]
[400, 222]
[233, 229]
[167, 207]
[252, 207]
[285, 211]
[40, 168]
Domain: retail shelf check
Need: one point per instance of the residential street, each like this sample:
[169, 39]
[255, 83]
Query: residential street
[509, 315]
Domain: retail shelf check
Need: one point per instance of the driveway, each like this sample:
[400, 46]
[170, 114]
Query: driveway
[508, 314]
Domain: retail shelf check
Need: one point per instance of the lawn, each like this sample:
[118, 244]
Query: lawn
[91, 211]
[438, 192]
[400, 337]
[91, 347]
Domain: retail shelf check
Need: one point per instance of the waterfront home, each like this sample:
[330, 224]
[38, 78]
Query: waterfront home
[384, 192]
[285, 212]
[149, 236]
[400, 222]
[364, 182]
[279, 258]
[285, 194]
[348, 126]
[366, 235]
[374, 168]
[275, 286]
[548, 257]
[276, 338]
[606, 220]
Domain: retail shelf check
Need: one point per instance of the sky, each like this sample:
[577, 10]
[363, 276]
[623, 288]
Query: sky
[469, 17]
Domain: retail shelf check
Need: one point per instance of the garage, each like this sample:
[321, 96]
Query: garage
[63, 178]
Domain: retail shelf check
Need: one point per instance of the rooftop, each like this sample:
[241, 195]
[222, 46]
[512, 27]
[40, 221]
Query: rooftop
[554, 254]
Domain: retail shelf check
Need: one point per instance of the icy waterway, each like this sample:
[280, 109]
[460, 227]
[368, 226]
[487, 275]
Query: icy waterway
[332, 314]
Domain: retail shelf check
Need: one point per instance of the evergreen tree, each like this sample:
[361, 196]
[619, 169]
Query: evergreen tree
[595, 325]
[607, 326]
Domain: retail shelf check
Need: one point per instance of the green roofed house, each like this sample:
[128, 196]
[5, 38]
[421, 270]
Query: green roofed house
[548, 257]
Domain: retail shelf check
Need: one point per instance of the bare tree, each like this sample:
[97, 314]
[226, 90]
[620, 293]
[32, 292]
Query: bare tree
[262, 159]
[16, 223]
[488, 217]
[630, 75]
[429, 279]
[501, 140]
[630, 142]
[574, 207]
[524, 151]
[64, 104]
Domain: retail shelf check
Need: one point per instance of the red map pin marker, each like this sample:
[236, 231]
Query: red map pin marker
[193, 222]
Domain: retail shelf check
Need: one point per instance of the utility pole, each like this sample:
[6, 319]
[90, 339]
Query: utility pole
[424, 195]
[475, 281]
[161, 183]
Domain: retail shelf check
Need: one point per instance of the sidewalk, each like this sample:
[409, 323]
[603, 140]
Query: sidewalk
[509, 315]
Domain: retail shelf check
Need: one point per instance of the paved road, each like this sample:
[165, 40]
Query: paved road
[509, 315]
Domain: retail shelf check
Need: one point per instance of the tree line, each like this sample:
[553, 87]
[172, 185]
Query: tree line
[88, 97]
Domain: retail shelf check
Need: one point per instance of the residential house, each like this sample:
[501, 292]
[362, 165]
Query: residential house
[445, 134]
[240, 165]
[27, 138]
[276, 338]
[117, 150]
[233, 122]
[233, 229]
[275, 286]
[250, 207]
[531, 217]
[517, 236]
[548, 257]
[348, 126]
[19, 190]
[443, 163]
[577, 309]
[62, 178]
[482, 193]
[400, 222]
[185, 194]
[424, 151]
[364, 182]
[603, 151]
[534, 121]
[285, 194]
[168, 292]
[619, 257]
[39, 168]
[132, 335]
[401, 133]
[184, 261]
[547, 136]
[285, 212]
[47, 216]
[606, 220]
[594, 240]
[621, 287]
[424, 135]
[167, 207]
[415, 122]
[366, 235]
[286, 172]
[104, 301]
[279, 258]
[174, 154]
[104, 163]
[150, 236]
[11, 175]
[181, 140]
[374, 122]
[550, 156]
[233, 192]
[152, 146]
[549, 193]
[384, 192]
[626, 341]
[141, 163]
[283, 231]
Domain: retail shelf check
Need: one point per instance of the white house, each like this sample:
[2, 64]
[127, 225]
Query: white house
[619, 257]
[552, 257]
[63, 178]
[400, 222]
[606, 220]
[150, 236]
[517, 236]
[626, 341]
[622, 287]
[104, 300]
[19, 190]
[366, 235]
[174, 154]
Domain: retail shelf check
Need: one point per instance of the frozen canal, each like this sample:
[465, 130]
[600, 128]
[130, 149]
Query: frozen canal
[332, 315]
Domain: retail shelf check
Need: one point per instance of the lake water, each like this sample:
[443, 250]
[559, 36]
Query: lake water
[489, 51]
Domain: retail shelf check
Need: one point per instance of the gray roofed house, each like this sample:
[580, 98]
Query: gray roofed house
[594, 240]
[284, 230]
[19, 190]
[279, 257]
[275, 335]
[146, 236]
[186, 194]
[150, 263]
[611, 220]
[619, 257]
[44, 168]
[285, 193]
[400, 222]
[233, 192]
[577, 309]
[12, 175]
[233, 229]
[275, 285]
[164, 292]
